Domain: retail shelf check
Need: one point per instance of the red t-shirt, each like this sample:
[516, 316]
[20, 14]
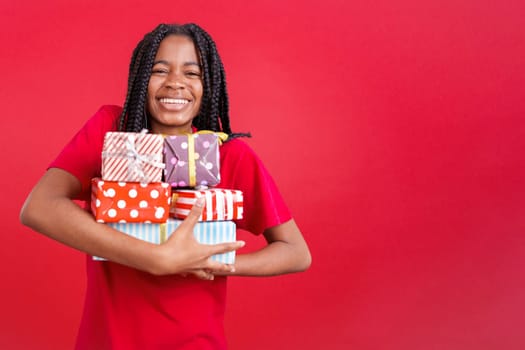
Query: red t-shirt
[129, 309]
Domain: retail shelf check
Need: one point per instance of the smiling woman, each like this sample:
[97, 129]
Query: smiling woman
[171, 295]
[175, 86]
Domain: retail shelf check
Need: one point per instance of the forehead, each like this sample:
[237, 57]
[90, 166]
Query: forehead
[175, 46]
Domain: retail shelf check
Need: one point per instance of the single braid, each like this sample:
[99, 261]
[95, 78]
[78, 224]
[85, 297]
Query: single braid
[214, 110]
[224, 106]
[133, 69]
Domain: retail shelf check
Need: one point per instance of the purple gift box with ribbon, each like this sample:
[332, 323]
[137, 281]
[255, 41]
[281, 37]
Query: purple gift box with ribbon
[193, 160]
[132, 157]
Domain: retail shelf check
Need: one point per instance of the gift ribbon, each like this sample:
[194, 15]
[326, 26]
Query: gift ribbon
[163, 235]
[192, 168]
[174, 197]
[137, 160]
[221, 135]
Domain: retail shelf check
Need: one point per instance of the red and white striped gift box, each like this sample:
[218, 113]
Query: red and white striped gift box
[132, 157]
[221, 204]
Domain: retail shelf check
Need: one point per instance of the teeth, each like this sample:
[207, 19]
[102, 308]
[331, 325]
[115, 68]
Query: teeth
[174, 100]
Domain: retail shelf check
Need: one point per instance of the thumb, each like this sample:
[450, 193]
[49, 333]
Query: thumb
[195, 213]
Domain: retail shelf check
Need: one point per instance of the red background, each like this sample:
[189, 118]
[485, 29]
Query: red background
[394, 129]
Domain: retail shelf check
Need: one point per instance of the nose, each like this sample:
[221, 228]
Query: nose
[175, 80]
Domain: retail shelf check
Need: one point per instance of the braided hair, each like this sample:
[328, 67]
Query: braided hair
[214, 111]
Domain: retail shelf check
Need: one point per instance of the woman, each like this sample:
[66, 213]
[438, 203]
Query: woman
[170, 295]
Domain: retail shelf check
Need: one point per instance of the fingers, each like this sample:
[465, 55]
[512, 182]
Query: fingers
[195, 213]
[189, 256]
[213, 268]
[203, 275]
[225, 247]
[216, 267]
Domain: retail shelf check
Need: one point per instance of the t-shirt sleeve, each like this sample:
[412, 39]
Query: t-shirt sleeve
[242, 169]
[82, 155]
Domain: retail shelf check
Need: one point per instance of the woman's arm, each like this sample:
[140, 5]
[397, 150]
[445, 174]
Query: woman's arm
[49, 209]
[286, 252]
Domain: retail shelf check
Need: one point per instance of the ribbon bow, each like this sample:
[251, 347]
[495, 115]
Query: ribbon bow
[222, 136]
[137, 160]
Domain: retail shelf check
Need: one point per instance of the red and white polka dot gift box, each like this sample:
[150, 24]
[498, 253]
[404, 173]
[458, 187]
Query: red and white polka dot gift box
[113, 201]
[220, 204]
[193, 160]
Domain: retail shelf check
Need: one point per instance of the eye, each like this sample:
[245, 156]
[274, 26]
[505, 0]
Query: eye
[159, 71]
[193, 74]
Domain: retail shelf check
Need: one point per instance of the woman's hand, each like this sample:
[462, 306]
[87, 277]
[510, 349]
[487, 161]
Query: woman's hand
[49, 209]
[182, 254]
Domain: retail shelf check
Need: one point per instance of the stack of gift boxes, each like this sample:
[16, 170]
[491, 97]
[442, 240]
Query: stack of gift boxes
[149, 184]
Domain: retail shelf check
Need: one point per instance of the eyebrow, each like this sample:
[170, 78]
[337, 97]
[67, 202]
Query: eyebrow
[190, 63]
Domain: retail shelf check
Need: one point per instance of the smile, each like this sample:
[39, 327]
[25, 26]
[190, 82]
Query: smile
[179, 101]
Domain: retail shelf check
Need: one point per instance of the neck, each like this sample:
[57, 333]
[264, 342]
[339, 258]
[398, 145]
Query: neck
[171, 130]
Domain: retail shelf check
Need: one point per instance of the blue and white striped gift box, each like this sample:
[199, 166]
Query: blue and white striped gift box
[205, 232]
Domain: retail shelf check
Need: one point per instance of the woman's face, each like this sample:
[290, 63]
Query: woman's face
[175, 86]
